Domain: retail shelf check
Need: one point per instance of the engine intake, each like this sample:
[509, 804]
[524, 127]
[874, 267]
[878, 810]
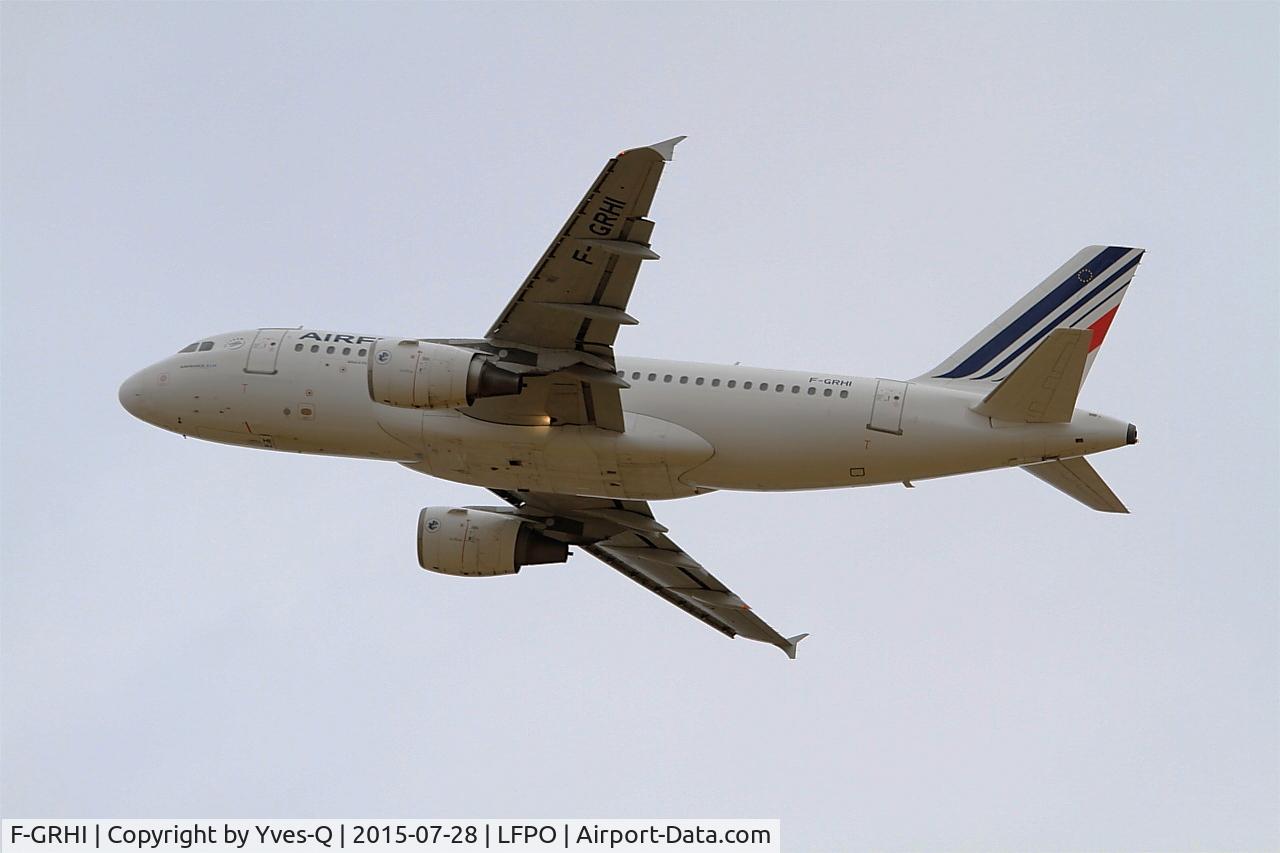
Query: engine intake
[422, 375]
[476, 543]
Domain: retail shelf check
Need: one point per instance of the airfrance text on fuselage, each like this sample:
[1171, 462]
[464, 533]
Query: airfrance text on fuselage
[336, 339]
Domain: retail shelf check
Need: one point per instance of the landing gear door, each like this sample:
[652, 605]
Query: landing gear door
[265, 351]
[886, 411]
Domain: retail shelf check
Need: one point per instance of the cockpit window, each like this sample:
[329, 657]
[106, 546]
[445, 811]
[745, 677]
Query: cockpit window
[206, 346]
[189, 348]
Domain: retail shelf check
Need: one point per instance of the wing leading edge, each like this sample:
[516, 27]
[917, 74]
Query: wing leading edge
[625, 536]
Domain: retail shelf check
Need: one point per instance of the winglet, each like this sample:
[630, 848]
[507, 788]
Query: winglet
[792, 642]
[666, 149]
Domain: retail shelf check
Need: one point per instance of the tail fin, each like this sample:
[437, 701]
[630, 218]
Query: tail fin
[1083, 293]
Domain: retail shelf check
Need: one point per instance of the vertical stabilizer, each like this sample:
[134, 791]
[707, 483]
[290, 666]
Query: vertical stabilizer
[1083, 293]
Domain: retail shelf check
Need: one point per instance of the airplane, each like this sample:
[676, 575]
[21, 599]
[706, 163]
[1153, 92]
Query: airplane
[577, 441]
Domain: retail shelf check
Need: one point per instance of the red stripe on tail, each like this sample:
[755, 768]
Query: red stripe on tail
[1100, 327]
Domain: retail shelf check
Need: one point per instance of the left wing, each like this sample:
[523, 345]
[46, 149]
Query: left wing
[625, 536]
[566, 314]
[576, 296]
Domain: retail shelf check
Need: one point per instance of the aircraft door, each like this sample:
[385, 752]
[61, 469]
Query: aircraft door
[265, 351]
[886, 410]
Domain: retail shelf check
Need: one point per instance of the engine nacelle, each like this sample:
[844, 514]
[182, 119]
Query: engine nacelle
[422, 375]
[475, 543]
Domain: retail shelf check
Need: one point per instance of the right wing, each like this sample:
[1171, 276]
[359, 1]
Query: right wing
[625, 536]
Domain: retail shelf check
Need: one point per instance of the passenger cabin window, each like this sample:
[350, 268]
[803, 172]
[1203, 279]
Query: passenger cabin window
[826, 392]
[715, 383]
[698, 381]
[652, 376]
[746, 386]
[346, 350]
[684, 380]
[363, 352]
[635, 375]
[731, 383]
[329, 350]
[315, 348]
[297, 348]
[844, 395]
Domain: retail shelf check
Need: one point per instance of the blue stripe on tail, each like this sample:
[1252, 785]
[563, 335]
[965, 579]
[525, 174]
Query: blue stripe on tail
[1064, 315]
[1033, 315]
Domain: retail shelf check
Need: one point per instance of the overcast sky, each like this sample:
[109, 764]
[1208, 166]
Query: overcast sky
[191, 629]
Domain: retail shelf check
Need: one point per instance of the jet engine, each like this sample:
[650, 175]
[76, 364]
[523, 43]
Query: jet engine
[423, 375]
[476, 543]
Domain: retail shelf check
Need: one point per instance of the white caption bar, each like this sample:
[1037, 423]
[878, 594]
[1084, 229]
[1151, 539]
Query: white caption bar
[318, 836]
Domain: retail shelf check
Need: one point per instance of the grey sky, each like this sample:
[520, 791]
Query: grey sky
[192, 629]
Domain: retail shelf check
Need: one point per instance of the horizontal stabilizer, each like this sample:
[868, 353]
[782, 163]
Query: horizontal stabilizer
[1043, 388]
[1076, 478]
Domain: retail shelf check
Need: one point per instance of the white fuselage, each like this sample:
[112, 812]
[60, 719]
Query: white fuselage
[690, 427]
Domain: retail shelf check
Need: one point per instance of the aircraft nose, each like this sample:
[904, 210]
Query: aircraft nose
[133, 396]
